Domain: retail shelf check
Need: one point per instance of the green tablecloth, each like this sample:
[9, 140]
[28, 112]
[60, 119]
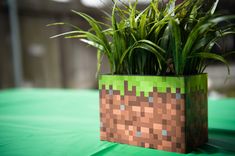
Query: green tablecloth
[38, 122]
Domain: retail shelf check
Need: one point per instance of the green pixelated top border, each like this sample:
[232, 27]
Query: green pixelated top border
[147, 83]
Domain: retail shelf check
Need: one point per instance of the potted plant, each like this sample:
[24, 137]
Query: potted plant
[156, 93]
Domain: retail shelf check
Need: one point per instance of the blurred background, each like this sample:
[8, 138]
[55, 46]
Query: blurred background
[29, 58]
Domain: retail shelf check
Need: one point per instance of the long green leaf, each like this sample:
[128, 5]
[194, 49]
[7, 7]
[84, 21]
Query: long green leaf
[176, 43]
[66, 33]
[96, 27]
[213, 56]
[212, 11]
[63, 23]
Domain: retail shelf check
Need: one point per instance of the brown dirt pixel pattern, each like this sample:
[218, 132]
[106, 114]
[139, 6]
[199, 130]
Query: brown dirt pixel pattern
[157, 121]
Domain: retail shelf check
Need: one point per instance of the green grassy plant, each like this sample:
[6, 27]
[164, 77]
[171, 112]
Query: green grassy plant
[162, 39]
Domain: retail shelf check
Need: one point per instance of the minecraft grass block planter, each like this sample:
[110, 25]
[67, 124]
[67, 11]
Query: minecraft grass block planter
[165, 113]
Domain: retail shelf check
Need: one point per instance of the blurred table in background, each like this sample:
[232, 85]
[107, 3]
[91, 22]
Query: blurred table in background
[49, 122]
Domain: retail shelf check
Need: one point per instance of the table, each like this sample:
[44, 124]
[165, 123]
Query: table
[54, 122]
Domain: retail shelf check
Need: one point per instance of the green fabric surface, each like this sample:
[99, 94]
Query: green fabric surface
[46, 122]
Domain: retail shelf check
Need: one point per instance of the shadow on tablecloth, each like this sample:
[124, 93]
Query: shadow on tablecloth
[220, 141]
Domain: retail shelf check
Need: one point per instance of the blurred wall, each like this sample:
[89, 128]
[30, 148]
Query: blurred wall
[6, 73]
[55, 63]
[41, 56]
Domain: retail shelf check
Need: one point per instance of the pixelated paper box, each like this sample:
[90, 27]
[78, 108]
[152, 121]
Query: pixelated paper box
[165, 113]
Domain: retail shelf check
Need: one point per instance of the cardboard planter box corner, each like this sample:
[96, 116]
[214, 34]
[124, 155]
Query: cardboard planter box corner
[160, 112]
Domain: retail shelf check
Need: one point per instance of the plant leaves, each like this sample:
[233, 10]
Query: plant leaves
[213, 56]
